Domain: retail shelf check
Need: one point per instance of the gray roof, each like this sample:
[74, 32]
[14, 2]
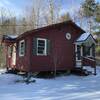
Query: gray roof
[10, 37]
[83, 37]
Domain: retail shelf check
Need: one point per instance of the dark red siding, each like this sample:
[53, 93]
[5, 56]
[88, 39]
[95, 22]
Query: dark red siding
[61, 48]
[23, 63]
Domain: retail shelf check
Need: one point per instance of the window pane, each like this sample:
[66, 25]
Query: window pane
[41, 47]
[40, 51]
[41, 43]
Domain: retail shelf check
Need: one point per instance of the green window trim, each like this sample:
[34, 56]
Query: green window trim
[43, 47]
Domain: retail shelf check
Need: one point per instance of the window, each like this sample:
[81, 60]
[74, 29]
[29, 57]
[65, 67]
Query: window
[87, 51]
[41, 46]
[22, 48]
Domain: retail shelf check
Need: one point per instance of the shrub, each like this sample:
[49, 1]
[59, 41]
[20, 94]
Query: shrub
[98, 51]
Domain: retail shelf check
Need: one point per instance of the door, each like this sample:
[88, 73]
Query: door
[14, 55]
[79, 53]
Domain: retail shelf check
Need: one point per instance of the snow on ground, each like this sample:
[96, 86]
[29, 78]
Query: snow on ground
[62, 88]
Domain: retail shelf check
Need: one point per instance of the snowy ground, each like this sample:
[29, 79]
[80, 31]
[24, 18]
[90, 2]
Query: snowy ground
[62, 88]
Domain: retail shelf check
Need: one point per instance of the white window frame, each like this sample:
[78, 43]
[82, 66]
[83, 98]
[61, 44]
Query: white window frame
[45, 48]
[22, 41]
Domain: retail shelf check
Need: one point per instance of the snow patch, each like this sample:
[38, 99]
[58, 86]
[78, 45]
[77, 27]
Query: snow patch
[61, 88]
[83, 37]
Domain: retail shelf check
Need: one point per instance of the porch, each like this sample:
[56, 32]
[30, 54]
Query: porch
[10, 50]
[85, 51]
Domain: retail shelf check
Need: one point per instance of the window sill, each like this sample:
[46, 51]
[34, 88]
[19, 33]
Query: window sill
[21, 55]
[41, 54]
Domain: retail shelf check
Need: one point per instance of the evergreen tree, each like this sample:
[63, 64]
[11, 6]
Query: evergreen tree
[89, 11]
[89, 8]
[97, 19]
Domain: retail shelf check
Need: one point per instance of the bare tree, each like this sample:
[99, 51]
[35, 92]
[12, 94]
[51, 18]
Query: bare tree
[13, 25]
[65, 17]
[52, 15]
[8, 21]
[56, 56]
[34, 14]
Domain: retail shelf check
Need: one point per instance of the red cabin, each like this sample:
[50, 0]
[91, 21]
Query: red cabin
[59, 46]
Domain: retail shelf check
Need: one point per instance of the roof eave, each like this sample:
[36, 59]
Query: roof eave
[50, 26]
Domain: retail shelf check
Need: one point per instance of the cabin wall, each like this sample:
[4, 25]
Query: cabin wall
[22, 63]
[62, 50]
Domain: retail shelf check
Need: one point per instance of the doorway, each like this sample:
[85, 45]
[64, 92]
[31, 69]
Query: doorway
[14, 55]
[79, 54]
